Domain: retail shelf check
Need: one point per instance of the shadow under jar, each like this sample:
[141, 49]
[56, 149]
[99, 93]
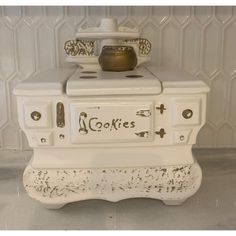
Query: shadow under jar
[117, 58]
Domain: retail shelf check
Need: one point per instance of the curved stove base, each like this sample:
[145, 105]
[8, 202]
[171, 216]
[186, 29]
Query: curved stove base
[57, 187]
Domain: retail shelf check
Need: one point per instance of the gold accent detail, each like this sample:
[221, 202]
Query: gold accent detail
[144, 45]
[161, 132]
[117, 58]
[79, 48]
[143, 113]
[82, 126]
[187, 113]
[161, 108]
[43, 140]
[60, 115]
[143, 134]
[35, 115]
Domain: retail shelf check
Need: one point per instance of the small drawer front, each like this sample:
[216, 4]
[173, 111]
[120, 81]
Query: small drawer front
[37, 115]
[186, 112]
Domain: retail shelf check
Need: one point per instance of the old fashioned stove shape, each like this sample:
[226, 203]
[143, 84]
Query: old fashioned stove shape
[111, 135]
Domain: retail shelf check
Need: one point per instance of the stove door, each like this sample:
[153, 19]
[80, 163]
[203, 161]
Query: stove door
[111, 122]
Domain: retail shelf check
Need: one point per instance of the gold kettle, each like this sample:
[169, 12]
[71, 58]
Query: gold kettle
[117, 58]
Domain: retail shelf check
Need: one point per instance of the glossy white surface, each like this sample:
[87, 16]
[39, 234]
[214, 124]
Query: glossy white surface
[173, 80]
[32, 40]
[49, 82]
[213, 207]
[113, 83]
[111, 115]
[118, 100]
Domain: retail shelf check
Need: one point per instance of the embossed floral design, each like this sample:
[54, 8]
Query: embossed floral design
[79, 47]
[143, 44]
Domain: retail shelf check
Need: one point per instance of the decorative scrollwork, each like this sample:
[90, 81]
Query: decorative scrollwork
[144, 45]
[79, 47]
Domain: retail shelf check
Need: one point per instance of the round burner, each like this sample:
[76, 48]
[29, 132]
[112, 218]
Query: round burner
[134, 76]
[88, 72]
[88, 77]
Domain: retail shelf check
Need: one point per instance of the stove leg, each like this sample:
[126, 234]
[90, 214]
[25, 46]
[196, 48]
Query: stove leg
[173, 202]
[53, 206]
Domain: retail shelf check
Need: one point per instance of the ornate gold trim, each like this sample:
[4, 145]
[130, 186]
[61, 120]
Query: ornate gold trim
[143, 44]
[79, 48]
[60, 115]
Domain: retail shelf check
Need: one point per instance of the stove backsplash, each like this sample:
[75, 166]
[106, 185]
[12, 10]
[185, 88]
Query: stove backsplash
[200, 40]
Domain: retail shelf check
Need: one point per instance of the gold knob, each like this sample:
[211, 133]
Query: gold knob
[35, 115]
[187, 113]
[43, 140]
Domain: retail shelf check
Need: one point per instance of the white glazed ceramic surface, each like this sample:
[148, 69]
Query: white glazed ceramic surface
[117, 138]
[111, 135]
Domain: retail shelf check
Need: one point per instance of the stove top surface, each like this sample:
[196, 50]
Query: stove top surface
[79, 82]
[138, 81]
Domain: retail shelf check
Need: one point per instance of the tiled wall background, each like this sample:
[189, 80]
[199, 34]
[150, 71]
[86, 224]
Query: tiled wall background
[200, 40]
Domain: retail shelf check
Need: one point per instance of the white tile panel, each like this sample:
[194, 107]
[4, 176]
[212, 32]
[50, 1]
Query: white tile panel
[7, 60]
[181, 14]
[75, 14]
[139, 14]
[12, 99]
[190, 47]
[223, 13]
[33, 14]
[170, 45]
[25, 49]
[12, 14]
[203, 13]
[217, 108]
[3, 104]
[160, 14]
[11, 137]
[211, 48]
[54, 14]
[232, 103]
[46, 47]
[229, 53]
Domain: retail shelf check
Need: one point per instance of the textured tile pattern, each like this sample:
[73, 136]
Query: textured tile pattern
[200, 40]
